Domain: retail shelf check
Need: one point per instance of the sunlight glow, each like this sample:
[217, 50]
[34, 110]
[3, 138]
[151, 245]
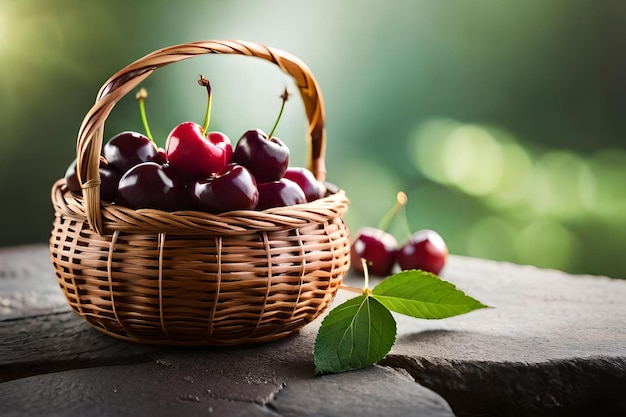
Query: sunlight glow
[427, 145]
[563, 185]
[4, 31]
[492, 237]
[548, 244]
[473, 160]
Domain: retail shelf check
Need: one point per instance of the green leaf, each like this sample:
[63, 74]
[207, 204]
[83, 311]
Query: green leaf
[423, 295]
[355, 334]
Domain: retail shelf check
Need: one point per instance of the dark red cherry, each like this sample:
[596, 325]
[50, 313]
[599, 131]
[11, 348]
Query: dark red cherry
[109, 179]
[425, 250]
[313, 189]
[71, 179]
[279, 193]
[109, 182]
[234, 188]
[150, 185]
[266, 158]
[377, 248]
[127, 149]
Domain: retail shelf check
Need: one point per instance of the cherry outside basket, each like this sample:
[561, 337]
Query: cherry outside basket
[194, 278]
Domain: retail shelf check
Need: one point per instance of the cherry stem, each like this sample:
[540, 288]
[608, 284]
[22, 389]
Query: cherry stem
[366, 288]
[405, 221]
[366, 275]
[351, 289]
[203, 82]
[385, 222]
[284, 97]
[141, 96]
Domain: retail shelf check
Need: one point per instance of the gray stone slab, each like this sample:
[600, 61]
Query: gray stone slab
[149, 389]
[275, 379]
[58, 342]
[375, 391]
[552, 345]
[537, 316]
[28, 286]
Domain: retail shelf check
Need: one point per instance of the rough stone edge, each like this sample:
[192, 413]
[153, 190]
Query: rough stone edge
[575, 387]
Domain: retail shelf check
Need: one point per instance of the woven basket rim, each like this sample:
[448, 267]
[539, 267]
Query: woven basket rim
[120, 218]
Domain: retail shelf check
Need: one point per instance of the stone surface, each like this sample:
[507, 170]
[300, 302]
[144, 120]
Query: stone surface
[70, 369]
[52, 363]
[537, 316]
[375, 391]
[552, 345]
[27, 283]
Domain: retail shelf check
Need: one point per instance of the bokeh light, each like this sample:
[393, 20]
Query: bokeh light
[427, 146]
[609, 171]
[492, 237]
[479, 161]
[541, 197]
[548, 244]
[473, 160]
[563, 185]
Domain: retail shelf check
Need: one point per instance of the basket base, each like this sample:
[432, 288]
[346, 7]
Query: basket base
[194, 342]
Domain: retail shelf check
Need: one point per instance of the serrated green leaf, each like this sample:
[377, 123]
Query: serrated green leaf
[423, 295]
[355, 334]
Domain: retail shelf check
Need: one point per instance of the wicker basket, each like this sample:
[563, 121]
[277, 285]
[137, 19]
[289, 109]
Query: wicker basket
[192, 278]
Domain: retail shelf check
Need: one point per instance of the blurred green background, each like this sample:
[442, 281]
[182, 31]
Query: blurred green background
[504, 122]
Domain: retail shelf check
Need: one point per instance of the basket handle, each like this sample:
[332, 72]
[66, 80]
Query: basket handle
[89, 144]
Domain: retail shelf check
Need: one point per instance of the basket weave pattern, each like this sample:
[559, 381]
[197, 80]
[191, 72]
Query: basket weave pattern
[192, 278]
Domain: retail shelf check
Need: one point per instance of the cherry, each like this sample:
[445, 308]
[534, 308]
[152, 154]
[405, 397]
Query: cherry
[71, 179]
[266, 156]
[109, 182]
[150, 185]
[127, 149]
[279, 193]
[109, 179]
[193, 155]
[376, 246]
[233, 188]
[425, 250]
[192, 152]
[313, 189]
